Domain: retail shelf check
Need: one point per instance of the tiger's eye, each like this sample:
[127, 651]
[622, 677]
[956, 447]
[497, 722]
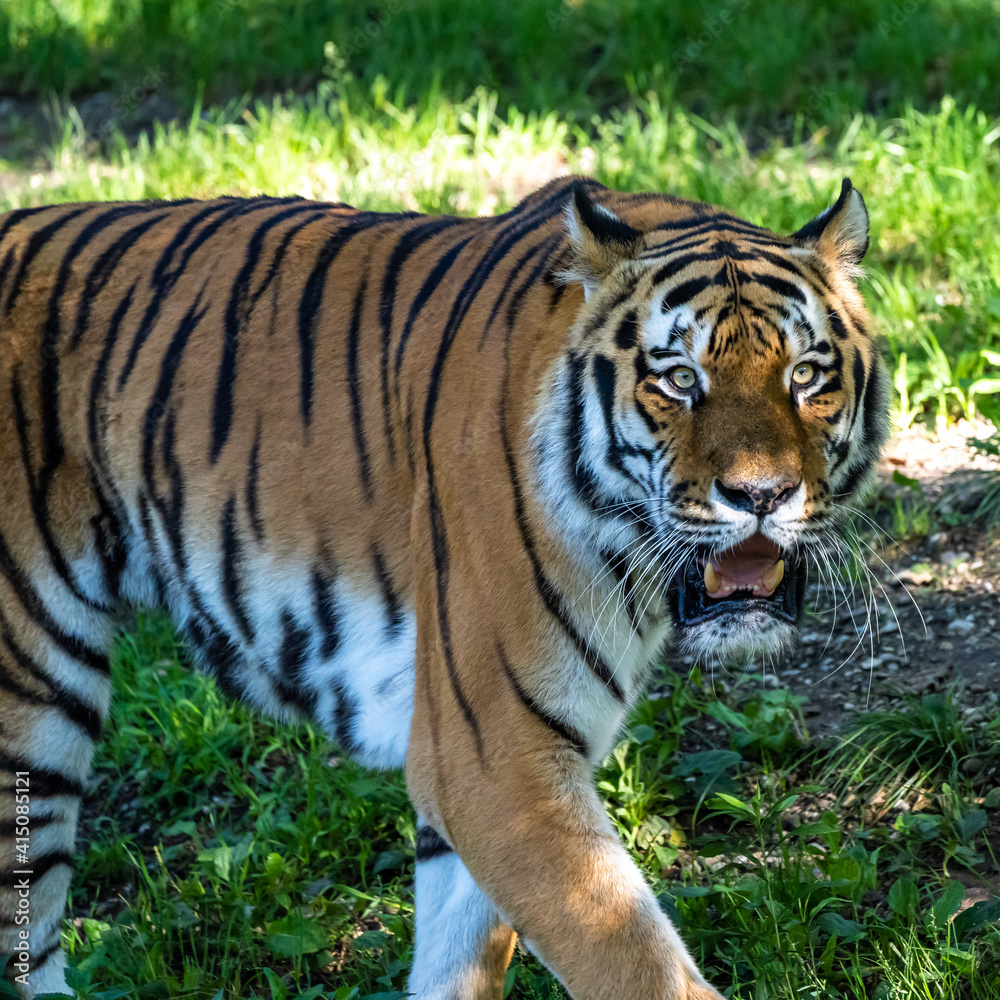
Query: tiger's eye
[683, 377]
[803, 374]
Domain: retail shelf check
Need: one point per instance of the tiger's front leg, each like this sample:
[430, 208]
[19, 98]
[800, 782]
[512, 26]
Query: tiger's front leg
[533, 850]
[510, 790]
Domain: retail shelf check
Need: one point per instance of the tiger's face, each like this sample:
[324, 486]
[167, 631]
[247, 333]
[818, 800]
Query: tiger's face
[738, 407]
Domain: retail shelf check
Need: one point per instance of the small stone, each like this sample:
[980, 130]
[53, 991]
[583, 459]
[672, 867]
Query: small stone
[952, 558]
[963, 625]
[848, 706]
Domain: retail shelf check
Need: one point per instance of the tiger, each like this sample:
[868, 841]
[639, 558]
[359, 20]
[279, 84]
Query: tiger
[448, 486]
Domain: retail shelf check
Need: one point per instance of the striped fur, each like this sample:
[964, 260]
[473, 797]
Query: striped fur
[419, 479]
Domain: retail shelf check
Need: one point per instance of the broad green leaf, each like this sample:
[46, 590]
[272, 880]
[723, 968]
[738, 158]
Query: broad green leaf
[904, 897]
[971, 823]
[977, 916]
[368, 940]
[295, 935]
[946, 906]
[846, 930]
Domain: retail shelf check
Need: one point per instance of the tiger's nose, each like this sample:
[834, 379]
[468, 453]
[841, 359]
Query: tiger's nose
[756, 498]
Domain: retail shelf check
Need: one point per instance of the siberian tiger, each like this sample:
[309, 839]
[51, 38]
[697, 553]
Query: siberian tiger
[445, 485]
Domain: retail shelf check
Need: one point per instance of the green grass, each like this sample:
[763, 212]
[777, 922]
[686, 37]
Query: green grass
[222, 853]
[765, 62]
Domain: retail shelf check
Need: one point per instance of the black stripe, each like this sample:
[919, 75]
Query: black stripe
[584, 479]
[779, 286]
[52, 443]
[860, 390]
[33, 605]
[9, 827]
[627, 334]
[76, 710]
[354, 387]
[164, 278]
[102, 270]
[155, 413]
[39, 958]
[427, 289]
[237, 316]
[406, 246]
[548, 248]
[875, 401]
[214, 647]
[95, 411]
[343, 718]
[684, 292]
[605, 378]
[274, 269]
[393, 607]
[253, 486]
[325, 612]
[719, 221]
[41, 865]
[45, 783]
[567, 732]
[11, 219]
[36, 242]
[172, 509]
[678, 264]
[312, 296]
[836, 325]
[232, 565]
[430, 844]
[507, 285]
[5, 266]
[616, 562]
[108, 541]
[37, 495]
[293, 658]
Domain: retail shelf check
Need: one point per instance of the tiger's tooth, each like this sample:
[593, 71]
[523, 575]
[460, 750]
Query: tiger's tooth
[712, 580]
[774, 576]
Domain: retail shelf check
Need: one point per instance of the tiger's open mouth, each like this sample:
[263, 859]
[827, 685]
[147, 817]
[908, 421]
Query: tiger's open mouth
[753, 584]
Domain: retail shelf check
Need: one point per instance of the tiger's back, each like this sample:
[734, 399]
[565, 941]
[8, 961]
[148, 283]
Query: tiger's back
[359, 456]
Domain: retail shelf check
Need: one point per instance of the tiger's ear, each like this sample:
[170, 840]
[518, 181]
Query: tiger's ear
[840, 232]
[600, 241]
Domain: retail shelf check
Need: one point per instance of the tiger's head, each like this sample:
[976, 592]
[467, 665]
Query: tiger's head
[728, 401]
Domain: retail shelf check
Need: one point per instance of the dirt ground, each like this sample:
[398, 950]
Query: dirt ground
[936, 616]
